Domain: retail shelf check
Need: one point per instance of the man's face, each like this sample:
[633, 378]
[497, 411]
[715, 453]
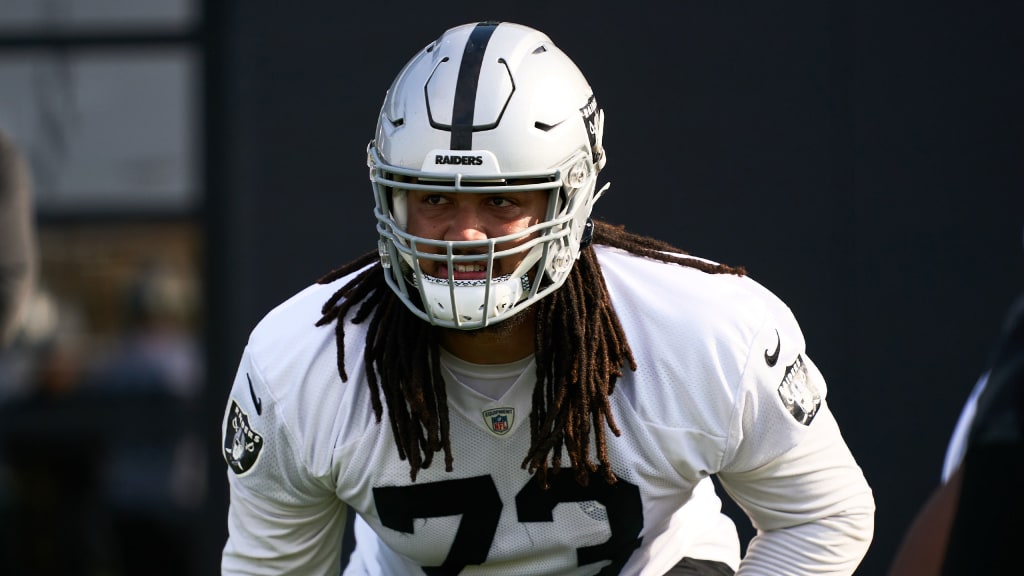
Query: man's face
[462, 216]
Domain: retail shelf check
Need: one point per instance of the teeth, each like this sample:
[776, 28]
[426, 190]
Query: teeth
[470, 267]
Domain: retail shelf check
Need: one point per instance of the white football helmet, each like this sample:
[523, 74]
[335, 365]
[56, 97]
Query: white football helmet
[482, 107]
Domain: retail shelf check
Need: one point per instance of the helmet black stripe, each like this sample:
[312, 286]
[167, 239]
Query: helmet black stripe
[465, 89]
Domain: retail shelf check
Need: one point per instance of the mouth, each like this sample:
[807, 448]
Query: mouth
[466, 271]
[478, 280]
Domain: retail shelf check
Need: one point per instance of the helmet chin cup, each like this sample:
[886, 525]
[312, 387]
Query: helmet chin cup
[472, 303]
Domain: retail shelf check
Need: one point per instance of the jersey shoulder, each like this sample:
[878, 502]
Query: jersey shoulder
[288, 334]
[684, 300]
[708, 346]
[290, 368]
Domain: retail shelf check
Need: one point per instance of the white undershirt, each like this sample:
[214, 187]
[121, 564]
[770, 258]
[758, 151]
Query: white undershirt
[491, 380]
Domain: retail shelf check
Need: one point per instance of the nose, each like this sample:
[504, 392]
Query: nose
[466, 224]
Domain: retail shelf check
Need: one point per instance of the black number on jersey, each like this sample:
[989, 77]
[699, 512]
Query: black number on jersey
[477, 500]
[621, 502]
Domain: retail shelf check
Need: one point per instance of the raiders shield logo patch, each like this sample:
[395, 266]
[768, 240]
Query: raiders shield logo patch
[242, 444]
[499, 420]
[798, 393]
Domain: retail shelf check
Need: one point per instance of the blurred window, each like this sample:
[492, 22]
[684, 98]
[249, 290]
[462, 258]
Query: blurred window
[102, 453]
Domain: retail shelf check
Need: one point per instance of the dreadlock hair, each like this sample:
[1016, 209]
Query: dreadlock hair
[580, 347]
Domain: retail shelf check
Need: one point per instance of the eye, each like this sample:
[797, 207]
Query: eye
[500, 202]
[434, 199]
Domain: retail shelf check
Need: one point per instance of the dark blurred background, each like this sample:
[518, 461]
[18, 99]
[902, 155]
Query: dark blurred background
[194, 164]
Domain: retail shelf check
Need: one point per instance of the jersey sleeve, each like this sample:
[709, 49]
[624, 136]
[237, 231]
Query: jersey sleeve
[789, 468]
[282, 519]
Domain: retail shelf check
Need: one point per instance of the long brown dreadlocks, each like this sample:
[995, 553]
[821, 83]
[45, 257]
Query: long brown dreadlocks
[580, 349]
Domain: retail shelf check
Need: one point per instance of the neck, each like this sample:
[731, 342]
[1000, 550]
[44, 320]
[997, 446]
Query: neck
[507, 341]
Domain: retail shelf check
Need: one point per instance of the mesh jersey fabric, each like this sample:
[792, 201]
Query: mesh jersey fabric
[723, 386]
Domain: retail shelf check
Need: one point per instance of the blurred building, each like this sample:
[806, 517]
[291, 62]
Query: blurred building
[103, 458]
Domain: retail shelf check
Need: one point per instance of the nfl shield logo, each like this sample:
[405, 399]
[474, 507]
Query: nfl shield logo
[499, 420]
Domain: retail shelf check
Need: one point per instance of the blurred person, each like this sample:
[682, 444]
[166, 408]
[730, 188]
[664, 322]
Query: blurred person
[971, 522]
[505, 386]
[157, 349]
[957, 445]
[48, 448]
[952, 525]
[151, 471]
[18, 257]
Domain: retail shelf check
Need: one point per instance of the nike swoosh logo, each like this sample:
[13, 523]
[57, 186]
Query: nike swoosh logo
[770, 359]
[256, 401]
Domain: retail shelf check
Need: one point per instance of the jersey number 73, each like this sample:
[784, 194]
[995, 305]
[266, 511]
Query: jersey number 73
[477, 500]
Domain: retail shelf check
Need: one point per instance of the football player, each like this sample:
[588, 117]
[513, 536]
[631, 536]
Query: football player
[505, 386]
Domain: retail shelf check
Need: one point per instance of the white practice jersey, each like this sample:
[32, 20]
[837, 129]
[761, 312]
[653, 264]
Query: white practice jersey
[723, 387]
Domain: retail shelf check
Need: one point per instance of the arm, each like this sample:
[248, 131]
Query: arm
[812, 507]
[282, 519]
[924, 546]
[788, 466]
[17, 239]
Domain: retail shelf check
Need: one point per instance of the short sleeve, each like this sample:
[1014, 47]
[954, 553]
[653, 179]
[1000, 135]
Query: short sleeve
[281, 518]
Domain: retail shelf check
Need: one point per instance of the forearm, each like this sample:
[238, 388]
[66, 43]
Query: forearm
[812, 507]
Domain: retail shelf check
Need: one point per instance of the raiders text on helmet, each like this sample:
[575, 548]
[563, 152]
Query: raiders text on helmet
[463, 160]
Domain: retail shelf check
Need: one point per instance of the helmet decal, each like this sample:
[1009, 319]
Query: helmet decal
[465, 90]
[594, 119]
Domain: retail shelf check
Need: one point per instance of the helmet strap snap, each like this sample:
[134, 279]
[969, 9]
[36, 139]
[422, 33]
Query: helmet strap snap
[588, 234]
